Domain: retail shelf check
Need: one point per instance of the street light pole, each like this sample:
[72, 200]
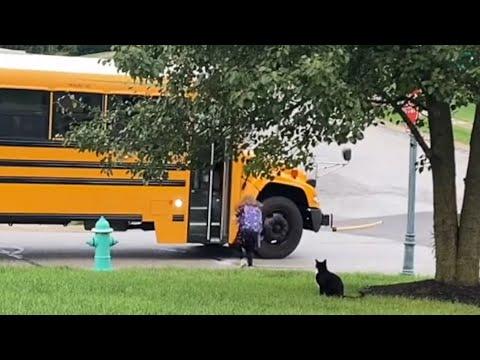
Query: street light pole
[409, 250]
[408, 257]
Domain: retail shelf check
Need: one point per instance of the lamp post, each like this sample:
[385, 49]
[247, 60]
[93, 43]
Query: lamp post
[409, 244]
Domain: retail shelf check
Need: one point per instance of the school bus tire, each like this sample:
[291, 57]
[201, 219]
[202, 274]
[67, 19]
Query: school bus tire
[290, 212]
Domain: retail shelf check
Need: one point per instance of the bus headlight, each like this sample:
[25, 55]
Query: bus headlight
[178, 203]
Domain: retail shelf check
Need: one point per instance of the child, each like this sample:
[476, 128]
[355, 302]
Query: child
[250, 221]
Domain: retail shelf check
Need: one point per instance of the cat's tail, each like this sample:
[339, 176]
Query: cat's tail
[360, 295]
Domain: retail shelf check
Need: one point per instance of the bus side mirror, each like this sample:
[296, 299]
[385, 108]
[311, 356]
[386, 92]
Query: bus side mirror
[347, 154]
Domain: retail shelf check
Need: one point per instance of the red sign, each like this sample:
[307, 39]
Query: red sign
[411, 111]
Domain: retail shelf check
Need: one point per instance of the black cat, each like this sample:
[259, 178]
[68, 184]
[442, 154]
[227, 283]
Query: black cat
[330, 284]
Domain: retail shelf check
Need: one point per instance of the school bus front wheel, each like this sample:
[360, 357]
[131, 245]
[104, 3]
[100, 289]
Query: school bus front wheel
[283, 227]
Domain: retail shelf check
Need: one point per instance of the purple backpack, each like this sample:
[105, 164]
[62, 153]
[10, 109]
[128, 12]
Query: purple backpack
[251, 219]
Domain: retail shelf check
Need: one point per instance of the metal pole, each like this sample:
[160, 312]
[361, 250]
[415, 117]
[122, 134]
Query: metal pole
[410, 235]
[210, 192]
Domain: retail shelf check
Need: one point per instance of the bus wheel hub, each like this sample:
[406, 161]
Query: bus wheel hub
[276, 229]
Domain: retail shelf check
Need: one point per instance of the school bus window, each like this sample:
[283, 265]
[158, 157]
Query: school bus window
[24, 114]
[123, 100]
[121, 103]
[72, 107]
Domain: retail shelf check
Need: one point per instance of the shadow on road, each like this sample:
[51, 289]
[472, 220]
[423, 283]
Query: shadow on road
[192, 252]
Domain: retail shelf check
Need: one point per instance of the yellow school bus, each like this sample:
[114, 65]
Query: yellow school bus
[44, 182]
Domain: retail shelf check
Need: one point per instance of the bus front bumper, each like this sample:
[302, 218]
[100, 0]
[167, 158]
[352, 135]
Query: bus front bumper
[318, 219]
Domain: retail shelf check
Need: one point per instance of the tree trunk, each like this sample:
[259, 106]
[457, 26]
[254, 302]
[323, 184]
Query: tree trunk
[444, 191]
[469, 233]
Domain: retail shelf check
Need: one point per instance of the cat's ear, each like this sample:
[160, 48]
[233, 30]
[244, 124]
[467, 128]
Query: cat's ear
[324, 262]
[316, 261]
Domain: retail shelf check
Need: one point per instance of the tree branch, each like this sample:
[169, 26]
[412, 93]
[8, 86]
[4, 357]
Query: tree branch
[385, 100]
[415, 102]
[398, 108]
[421, 141]
[291, 108]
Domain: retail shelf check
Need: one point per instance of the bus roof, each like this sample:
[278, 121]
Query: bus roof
[66, 73]
[66, 64]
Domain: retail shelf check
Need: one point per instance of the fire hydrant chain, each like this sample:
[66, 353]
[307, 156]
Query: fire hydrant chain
[102, 241]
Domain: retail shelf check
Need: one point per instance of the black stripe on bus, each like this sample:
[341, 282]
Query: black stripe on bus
[33, 143]
[62, 218]
[66, 164]
[178, 218]
[85, 181]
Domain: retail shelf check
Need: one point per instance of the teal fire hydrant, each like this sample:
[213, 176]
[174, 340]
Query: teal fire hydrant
[102, 241]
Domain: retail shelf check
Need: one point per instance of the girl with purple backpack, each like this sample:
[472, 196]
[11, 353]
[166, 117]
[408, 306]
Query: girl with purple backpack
[250, 222]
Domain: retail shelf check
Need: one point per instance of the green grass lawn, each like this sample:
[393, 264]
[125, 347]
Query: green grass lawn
[26, 290]
[465, 113]
[463, 128]
[462, 134]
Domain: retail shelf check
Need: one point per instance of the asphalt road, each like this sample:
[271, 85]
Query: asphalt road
[372, 187]
[345, 252]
